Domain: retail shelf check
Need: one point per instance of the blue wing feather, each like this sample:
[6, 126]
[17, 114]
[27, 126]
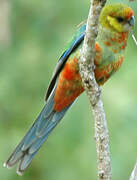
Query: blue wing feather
[76, 41]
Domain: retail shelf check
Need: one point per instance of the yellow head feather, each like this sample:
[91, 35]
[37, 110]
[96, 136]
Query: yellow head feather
[116, 17]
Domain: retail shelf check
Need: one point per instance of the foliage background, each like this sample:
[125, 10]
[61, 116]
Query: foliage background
[39, 32]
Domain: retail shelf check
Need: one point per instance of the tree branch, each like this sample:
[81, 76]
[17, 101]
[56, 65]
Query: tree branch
[134, 173]
[86, 64]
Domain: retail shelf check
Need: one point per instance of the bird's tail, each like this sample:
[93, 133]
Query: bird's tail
[35, 137]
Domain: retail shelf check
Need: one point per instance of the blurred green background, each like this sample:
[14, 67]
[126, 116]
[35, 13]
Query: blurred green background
[38, 33]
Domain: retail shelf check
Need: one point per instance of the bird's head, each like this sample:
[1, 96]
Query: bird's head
[117, 17]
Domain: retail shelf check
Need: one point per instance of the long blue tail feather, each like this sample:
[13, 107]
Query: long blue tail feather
[36, 136]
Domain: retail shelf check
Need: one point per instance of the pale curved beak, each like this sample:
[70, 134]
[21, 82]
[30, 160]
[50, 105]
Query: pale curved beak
[132, 21]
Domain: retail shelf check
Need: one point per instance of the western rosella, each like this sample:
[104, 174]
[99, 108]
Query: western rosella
[115, 23]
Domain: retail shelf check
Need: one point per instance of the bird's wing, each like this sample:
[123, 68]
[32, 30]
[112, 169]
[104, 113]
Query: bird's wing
[76, 41]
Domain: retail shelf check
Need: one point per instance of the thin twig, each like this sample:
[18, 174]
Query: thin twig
[134, 173]
[86, 64]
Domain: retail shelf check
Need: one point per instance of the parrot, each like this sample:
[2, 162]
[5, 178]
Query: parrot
[115, 24]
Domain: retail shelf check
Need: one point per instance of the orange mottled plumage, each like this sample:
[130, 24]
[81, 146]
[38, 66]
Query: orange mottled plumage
[107, 43]
[69, 85]
[98, 55]
[118, 64]
[102, 74]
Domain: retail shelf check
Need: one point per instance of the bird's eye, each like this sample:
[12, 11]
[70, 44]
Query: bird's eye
[120, 19]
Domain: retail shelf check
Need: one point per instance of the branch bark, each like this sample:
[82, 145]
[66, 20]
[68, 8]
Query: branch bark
[134, 173]
[86, 65]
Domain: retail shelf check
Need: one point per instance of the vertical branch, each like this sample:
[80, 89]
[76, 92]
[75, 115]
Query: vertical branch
[134, 173]
[86, 64]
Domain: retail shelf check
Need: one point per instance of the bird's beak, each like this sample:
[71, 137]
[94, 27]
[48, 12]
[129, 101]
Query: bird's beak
[132, 21]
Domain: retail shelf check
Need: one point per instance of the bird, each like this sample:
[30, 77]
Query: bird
[116, 21]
